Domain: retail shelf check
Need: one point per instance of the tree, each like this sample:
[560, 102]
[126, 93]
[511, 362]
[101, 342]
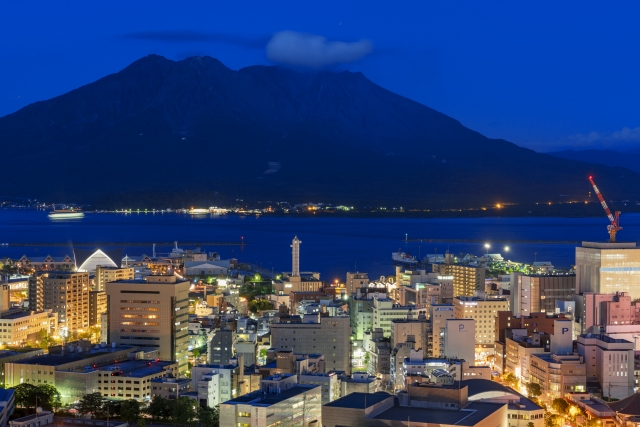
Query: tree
[24, 395]
[209, 417]
[130, 411]
[560, 405]
[183, 411]
[141, 423]
[533, 390]
[48, 397]
[511, 380]
[31, 396]
[92, 404]
[196, 353]
[160, 409]
[530, 424]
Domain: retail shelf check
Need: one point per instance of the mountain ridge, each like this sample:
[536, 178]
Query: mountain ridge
[196, 125]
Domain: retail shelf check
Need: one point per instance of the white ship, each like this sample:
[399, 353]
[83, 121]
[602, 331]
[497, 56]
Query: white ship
[198, 211]
[402, 258]
[65, 214]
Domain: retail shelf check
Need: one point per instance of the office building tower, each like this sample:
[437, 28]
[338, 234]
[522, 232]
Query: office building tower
[606, 268]
[317, 334]
[535, 293]
[220, 348]
[67, 294]
[439, 315]
[36, 291]
[151, 313]
[355, 281]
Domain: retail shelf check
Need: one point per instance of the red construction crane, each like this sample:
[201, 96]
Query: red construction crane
[614, 226]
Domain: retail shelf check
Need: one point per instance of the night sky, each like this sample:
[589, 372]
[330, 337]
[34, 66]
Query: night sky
[545, 75]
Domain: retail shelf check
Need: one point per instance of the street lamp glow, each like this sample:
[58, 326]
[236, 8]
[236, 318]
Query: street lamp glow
[506, 248]
[486, 245]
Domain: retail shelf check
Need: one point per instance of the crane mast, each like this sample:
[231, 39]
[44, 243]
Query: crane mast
[614, 219]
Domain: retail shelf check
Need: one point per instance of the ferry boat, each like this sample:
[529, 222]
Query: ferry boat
[198, 211]
[65, 214]
[403, 258]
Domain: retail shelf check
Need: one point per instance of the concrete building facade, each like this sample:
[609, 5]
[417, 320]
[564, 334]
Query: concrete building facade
[151, 313]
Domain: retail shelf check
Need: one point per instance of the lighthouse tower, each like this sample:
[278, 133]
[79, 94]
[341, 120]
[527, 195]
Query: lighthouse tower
[295, 255]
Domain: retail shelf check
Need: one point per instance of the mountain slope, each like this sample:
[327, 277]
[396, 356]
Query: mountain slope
[195, 126]
[602, 157]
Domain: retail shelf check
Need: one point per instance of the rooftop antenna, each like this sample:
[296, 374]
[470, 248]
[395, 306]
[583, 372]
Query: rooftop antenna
[154, 250]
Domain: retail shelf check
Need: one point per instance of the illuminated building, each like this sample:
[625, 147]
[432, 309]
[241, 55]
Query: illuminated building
[610, 362]
[89, 260]
[105, 274]
[67, 294]
[21, 327]
[280, 401]
[467, 279]
[151, 313]
[484, 312]
[607, 268]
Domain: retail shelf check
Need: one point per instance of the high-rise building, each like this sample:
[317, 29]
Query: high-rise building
[607, 268]
[220, 348]
[535, 293]
[330, 336]
[594, 311]
[106, 274]
[151, 313]
[67, 294]
[484, 311]
[384, 311]
[97, 306]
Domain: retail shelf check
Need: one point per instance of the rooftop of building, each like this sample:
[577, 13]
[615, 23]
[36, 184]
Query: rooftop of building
[359, 400]
[627, 406]
[216, 366]
[257, 398]
[478, 299]
[137, 368]
[470, 415]
[13, 315]
[171, 380]
[62, 359]
[605, 338]
[6, 394]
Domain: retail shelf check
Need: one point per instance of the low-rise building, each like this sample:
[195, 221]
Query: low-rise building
[216, 383]
[7, 405]
[170, 387]
[280, 401]
[329, 384]
[18, 328]
[558, 375]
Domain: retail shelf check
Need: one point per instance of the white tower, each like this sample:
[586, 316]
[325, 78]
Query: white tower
[295, 253]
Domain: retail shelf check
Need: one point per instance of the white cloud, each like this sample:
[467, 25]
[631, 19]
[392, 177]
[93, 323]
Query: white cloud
[308, 50]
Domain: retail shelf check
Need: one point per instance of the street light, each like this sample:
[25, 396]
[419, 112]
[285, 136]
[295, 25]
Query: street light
[506, 248]
[487, 246]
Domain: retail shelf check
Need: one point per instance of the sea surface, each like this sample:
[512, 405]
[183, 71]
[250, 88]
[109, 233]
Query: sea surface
[331, 246]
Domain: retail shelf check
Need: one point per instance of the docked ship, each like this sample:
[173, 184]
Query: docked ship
[66, 214]
[403, 258]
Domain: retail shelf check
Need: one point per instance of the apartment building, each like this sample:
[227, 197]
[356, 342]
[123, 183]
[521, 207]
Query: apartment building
[97, 306]
[467, 279]
[67, 294]
[558, 375]
[18, 328]
[385, 310]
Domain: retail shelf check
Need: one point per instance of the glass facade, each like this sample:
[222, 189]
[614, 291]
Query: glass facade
[608, 271]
